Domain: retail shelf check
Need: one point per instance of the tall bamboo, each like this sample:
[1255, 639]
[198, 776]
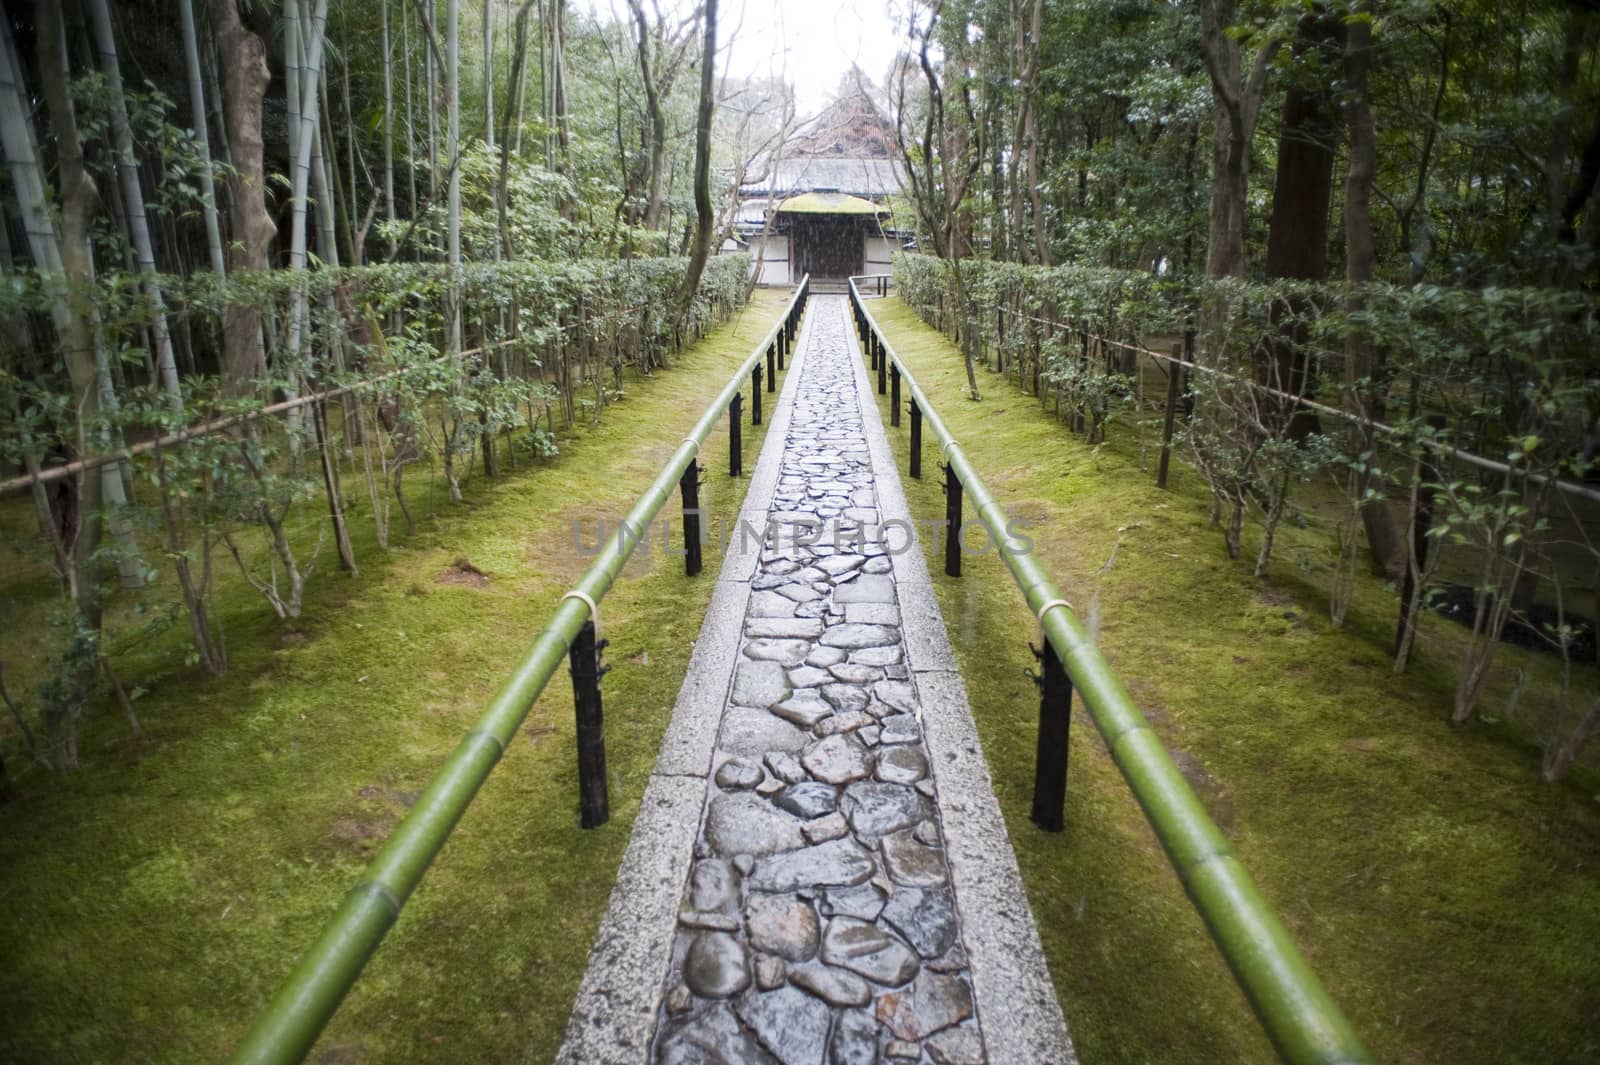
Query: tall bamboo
[197, 104]
[133, 201]
[388, 128]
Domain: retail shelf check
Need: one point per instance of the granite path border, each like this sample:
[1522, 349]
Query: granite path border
[614, 1015]
[1015, 998]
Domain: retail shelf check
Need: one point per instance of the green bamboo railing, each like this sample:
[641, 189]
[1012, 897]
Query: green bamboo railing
[297, 1014]
[1303, 1022]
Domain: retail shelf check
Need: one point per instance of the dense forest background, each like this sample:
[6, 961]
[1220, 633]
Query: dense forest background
[254, 250]
[1361, 239]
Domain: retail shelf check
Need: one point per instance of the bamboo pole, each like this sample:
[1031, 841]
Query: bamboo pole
[1302, 1020]
[307, 1000]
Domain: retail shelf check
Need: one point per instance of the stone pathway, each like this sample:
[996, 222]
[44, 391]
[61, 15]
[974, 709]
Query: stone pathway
[802, 887]
[819, 924]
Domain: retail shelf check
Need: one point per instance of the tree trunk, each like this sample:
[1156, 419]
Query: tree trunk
[705, 220]
[244, 57]
[1237, 103]
[1297, 235]
[1363, 366]
[656, 113]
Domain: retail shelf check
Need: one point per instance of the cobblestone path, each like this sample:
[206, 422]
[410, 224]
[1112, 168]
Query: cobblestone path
[819, 924]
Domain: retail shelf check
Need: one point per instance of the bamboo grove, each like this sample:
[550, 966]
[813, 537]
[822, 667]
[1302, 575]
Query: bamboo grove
[1122, 191]
[272, 267]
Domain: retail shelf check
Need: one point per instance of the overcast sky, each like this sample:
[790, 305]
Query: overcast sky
[812, 43]
[818, 40]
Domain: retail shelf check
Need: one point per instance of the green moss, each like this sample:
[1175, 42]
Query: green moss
[1443, 893]
[154, 901]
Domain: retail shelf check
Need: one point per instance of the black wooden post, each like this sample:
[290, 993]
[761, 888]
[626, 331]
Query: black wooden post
[1427, 476]
[883, 365]
[755, 397]
[584, 662]
[894, 396]
[783, 345]
[1055, 728]
[689, 487]
[952, 521]
[1174, 376]
[735, 458]
[772, 370]
[916, 440]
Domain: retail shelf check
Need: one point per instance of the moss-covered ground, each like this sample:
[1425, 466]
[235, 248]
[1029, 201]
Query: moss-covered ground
[151, 903]
[1448, 898]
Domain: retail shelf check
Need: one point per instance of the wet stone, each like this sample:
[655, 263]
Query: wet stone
[809, 677]
[867, 950]
[870, 735]
[855, 1039]
[823, 829]
[851, 673]
[910, 863]
[783, 628]
[753, 732]
[925, 916]
[839, 862]
[935, 1002]
[713, 886]
[742, 823]
[838, 760]
[956, 1046]
[790, 1024]
[738, 774]
[845, 696]
[896, 693]
[902, 765]
[876, 656]
[716, 922]
[951, 961]
[901, 728]
[770, 972]
[743, 863]
[715, 966]
[872, 614]
[769, 787]
[786, 767]
[759, 683]
[867, 588]
[823, 657]
[782, 925]
[847, 721]
[876, 809]
[765, 604]
[800, 593]
[804, 708]
[836, 987]
[710, 1037]
[863, 902]
[808, 800]
[898, 672]
[838, 565]
[679, 999]
[900, 1050]
[853, 636]
[926, 833]
[784, 652]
